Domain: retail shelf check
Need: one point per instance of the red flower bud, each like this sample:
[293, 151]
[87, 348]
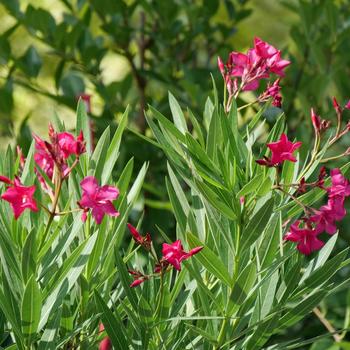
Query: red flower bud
[316, 120]
[137, 283]
[221, 67]
[336, 106]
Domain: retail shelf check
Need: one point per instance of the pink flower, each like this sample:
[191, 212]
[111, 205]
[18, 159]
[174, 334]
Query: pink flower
[62, 145]
[106, 343]
[318, 123]
[43, 158]
[258, 63]
[144, 241]
[325, 218]
[20, 197]
[69, 145]
[274, 92]
[340, 185]
[347, 105]
[283, 150]
[305, 237]
[174, 253]
[263, 49]
[98, 199]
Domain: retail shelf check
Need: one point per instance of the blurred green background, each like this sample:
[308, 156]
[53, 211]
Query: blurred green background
[126, 52]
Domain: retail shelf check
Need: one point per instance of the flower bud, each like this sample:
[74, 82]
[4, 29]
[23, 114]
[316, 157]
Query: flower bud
[221, 67]
[336, 106]
[316, 120]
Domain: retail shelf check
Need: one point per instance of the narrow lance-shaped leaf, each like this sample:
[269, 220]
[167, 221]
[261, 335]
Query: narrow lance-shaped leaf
[31, 309]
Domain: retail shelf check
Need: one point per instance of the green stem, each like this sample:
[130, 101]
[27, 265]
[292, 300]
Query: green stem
[246, 105]
[161, 295]
[225, 322]
[313, 157]
[53, 211]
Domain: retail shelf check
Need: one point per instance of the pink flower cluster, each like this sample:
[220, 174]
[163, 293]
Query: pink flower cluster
[172, 254]
[243, 72]
[52, 158]
[305, 233]
[55, 153]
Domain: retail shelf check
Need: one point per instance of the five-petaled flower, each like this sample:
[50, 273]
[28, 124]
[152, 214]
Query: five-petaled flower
[98, 199]
[306, 237]
[19, 196]
[281, 150]
[174, 253]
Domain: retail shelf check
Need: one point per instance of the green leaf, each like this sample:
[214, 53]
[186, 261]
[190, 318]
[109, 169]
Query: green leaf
[49, 337]
[113, 324]
[97, 161]
[300, 310]
[29, 256]
[31, 309]
[65, 278]
[257, 224]
[126, 281]
[251, 186]
[210, 260]
[31, 62]
[83, 125]
[113, 150]
[242, 286]
[178, 116]
[215, 200]
[167, 124]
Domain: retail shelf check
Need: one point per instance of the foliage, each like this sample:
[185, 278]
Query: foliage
[161, 42]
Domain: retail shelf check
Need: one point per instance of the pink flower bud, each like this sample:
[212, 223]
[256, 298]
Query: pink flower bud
[316, 120]
[106, 343]
[136, 283]
[347, 106]
[221, 67]
[5, 179]
[336, 106]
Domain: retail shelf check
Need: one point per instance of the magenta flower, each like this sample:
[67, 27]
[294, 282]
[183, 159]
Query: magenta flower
[98, 199]
[340, 185]
[306, 238]
[43, 157]
[56, 152]
[283, 150]
[69, 145]
[174, 253]
[274, 92]
[328, 214]
[20, 197]
[347, 105]
[258, 63]
[144, 241]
